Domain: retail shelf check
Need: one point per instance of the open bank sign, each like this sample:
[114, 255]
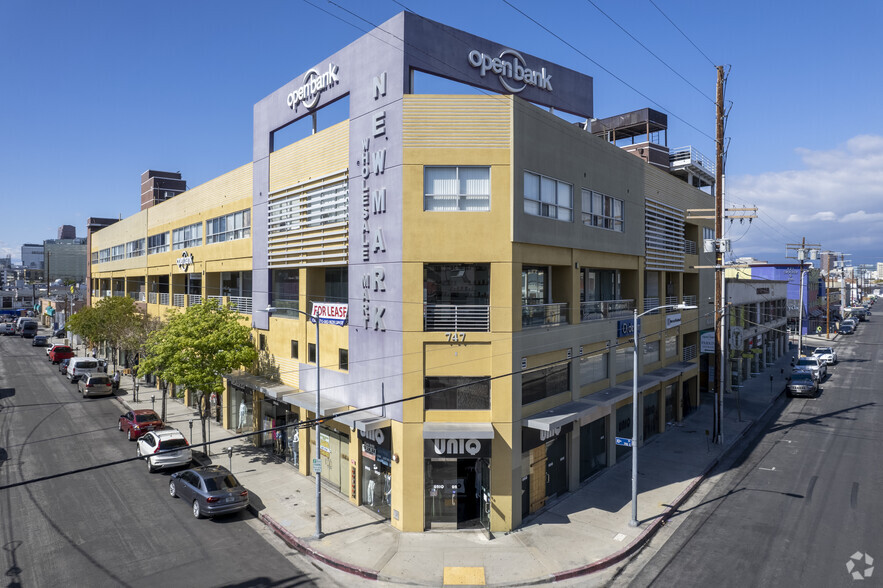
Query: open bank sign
[329, 312]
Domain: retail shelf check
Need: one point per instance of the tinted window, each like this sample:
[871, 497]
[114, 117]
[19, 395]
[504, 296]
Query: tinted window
[802, 379]
[100, 380]
[221, 483]
[172, 444]
[146, 418]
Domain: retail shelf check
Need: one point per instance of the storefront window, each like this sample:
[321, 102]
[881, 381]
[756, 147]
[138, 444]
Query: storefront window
[651, 415]
[376, 473]
[241, 408]
[457, 486]
[593, 448]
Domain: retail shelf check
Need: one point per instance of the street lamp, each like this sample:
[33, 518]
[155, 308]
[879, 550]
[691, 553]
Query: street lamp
[634, 520]
[318, 534]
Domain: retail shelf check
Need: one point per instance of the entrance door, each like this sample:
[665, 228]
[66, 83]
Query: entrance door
[484, 494]
[556, 467]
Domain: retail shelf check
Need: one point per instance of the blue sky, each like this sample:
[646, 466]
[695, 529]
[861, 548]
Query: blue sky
[94, 93]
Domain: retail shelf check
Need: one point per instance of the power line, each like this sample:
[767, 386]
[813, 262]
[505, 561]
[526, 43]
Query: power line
[636, 40]
[683, 33]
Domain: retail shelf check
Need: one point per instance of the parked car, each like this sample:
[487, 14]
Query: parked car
[59, 352]
[826, 354]
[79, 367]
[164, 448]
[7, 329]
[29, 329]
[813, 365]
[60, 334]
[846, 329]
[802, 384]
[95, 384]
[40, 341]
[211, 490]
[62, 367]
[138, 422]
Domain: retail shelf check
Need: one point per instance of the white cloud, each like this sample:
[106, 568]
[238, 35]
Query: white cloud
[836, 200]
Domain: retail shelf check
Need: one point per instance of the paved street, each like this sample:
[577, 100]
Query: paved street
[114, 526]
[794, 508]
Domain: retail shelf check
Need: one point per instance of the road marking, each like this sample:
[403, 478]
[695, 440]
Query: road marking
[464, 576]
[772, 469]
[812, 485]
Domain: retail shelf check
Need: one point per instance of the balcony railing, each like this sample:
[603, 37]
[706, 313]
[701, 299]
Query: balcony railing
[689, 352]
[151, 297]
[538, 315]
[195, 299]
[137, 296]
[651, 303]
[690, 247]
[164, 298]
[605, 309]
[105, 293]
[119, 293]
[241, 304]
[690, 300]
[670, 300]
[454, 317]
[178, 300]
[220, 299]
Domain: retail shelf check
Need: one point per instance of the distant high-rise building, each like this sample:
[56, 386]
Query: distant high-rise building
[879, 269]
[159, 186]
[32, 256]
[827, 261]
[65, 259]
[67, 232]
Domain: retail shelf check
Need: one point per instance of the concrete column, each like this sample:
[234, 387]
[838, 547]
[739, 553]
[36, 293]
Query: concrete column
[573, 459]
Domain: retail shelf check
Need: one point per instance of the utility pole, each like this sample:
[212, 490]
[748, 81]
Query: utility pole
[802, 250]
[720, 302]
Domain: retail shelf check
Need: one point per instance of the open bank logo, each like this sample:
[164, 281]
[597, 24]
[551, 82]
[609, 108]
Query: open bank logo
[857, 560]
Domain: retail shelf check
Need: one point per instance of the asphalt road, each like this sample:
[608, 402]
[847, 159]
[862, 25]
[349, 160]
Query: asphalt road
[113, 526]
[800, 501]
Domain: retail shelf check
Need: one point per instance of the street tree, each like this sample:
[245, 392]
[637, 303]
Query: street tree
[194, 349]
[86, 323]
[121, 323]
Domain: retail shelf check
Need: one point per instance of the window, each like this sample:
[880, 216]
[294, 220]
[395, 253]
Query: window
[343, 359]
[547, 197]
[457, 393]
[311, 353]
[189, 236]
[262, 341]
[117, 252]
[602, 211]
[457, 188]
[228, 228]
[545, 382]
[157, 243]
[651, 352]
[336, 284]
[95, 257]
[286, 288]
[104, 255]
[625, 357]
[293, 349]
[456, 283]
[593, 368]
[135, 248]
[671, 346]
[707, 233]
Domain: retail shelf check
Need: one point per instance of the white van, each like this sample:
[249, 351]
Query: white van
[80, 366]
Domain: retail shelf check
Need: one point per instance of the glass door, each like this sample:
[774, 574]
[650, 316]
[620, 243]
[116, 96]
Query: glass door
[484, 493]
[441, 493]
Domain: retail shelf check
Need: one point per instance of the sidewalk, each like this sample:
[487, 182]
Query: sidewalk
[585, 531]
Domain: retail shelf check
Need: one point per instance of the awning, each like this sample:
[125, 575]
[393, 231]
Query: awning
[816, 312]
[362, 420]
[611, 396]
[267, 387]
[558, 416]
[307, 400]
[458, 431]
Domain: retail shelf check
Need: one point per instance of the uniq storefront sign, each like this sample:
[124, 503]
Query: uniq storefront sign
[314, 84]
[512, 70]
[372, 163]
[456, 448]
[185, 261]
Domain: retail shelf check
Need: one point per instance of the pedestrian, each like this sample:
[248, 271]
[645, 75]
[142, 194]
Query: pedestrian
[116, 380]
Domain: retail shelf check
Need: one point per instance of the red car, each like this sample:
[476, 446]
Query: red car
[59, 352]
[138, 422]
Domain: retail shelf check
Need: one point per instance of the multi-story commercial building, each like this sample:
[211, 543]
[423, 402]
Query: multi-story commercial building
[32, 256]
[481, 257]
[756, 326]
[65, 259]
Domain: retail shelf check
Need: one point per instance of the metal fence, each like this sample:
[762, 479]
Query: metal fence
[537, 315]
[454, 317]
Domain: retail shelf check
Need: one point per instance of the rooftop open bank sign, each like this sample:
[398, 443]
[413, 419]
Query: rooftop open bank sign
[314, 84]
[329, 312]
[514, 74]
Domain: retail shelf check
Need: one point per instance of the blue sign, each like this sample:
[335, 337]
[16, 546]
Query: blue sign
[624, 441]
[625, 327]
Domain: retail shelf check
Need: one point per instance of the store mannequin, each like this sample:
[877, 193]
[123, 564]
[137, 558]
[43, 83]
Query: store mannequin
[243, 410]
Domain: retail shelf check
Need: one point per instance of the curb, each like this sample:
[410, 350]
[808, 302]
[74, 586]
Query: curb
[305, 549]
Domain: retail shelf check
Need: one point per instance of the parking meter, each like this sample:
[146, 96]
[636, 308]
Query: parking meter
[153, 401]
[230, 457]
[191, 430]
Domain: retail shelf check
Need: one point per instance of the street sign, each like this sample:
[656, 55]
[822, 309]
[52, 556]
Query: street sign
[624, 441]
[317, 466]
